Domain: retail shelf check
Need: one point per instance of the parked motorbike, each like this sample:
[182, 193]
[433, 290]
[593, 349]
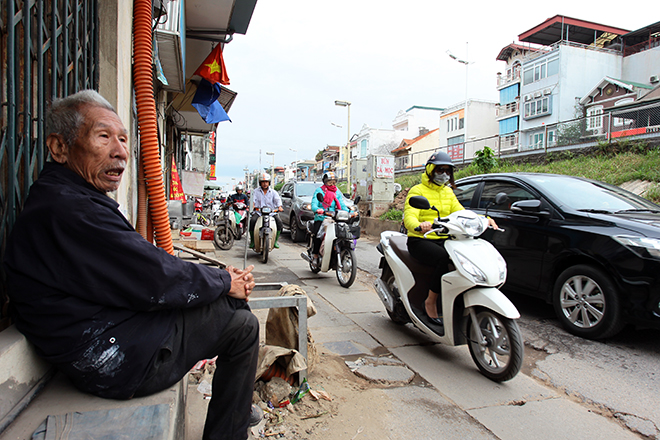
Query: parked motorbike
[340, 231]
[241, 210]
[226, 229]
[475, 312]
[265, 233]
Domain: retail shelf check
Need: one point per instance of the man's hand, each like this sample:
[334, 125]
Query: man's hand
[492, 224]
[242, 282]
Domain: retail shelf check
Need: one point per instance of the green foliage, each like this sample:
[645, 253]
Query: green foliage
[342, 186]
[319, 155]
[278, 186]
[571, 133]
[392, 214]
[409, 181]
[485, 160]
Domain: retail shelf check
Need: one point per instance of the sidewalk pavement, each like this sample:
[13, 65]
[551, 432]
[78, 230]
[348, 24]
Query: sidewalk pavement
[460, 403]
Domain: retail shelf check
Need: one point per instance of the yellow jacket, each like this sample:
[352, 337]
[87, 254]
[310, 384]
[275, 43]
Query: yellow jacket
[442, 198]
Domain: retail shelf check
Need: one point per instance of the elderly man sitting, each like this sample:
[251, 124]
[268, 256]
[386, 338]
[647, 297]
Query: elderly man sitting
[119, 316]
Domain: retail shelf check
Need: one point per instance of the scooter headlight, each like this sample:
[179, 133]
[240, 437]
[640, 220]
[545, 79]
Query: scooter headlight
[477, 274]
[473, 226]
[342, 216]
[501, 266]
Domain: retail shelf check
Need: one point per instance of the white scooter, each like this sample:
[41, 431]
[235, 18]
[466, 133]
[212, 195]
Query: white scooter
[265, 233]
[474, 310]
[339, 232]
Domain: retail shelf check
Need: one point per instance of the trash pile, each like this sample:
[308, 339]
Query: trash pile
[284, 398]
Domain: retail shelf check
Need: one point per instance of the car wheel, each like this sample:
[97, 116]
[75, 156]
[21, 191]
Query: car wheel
[587, 303]
[296, 233]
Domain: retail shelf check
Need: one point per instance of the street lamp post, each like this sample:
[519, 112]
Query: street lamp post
[465, 120]
[295, 173]
[348, 144]
[272, 174]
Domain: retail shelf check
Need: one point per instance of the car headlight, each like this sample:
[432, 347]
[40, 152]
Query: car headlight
[473, 226]
[470, 268]
[642, 246]
[307, 207]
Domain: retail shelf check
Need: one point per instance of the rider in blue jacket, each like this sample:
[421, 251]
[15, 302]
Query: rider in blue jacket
[332, 200]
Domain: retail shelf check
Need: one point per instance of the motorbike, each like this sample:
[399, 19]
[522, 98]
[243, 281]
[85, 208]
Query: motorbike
[265, 233]
[226, 229]
[241, 210]
[340, 231]
[475, 312]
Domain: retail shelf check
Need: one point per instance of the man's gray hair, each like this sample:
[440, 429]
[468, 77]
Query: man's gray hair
[65, 115]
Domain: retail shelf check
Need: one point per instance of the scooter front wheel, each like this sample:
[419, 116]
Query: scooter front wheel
[223, 238]
[265, 247]
[499, 355]
[347, 271]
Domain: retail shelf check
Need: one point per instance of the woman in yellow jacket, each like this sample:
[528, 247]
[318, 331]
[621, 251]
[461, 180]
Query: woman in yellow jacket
[436, 186]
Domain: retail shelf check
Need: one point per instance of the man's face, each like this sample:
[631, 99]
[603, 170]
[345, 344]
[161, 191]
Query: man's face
[100, 152]
[264, 184]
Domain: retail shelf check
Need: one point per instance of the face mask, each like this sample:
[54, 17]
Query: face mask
[440, 178]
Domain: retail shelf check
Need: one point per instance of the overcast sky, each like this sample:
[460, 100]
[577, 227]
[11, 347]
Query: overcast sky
[383, 56]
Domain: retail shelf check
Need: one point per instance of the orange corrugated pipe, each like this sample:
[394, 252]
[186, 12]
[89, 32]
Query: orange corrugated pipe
[147, 123]
[142, 204]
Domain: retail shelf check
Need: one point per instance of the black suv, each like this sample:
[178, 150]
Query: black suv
[296, 202]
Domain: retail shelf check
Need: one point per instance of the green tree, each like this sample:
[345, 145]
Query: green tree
[485, 160]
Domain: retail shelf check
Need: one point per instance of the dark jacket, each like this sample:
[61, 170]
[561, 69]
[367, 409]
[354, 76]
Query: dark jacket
[94, 297]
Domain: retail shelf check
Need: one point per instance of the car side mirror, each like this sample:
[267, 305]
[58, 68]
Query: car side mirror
[529, 207]
[286, 194]
[419, 202]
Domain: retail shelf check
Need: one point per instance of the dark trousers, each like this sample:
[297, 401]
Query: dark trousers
[430, 253]
[198, 335]
[316, 242]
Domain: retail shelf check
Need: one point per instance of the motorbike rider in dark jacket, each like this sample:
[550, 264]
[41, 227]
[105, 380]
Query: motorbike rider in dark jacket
[240, 196]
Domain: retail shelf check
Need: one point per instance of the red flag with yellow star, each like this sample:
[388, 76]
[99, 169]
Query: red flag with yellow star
[213, 68]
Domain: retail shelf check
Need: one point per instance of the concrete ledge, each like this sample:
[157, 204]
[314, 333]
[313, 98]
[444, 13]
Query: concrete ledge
[374, 226]
[28, 397]
[59, 397]
[22, 374]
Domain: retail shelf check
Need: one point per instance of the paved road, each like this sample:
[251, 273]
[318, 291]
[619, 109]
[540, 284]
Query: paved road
[577, 389]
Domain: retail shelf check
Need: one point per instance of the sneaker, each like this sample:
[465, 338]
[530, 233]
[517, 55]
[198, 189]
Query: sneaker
[256, 415]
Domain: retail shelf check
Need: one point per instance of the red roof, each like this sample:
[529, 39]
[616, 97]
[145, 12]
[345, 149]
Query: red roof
[561, 27]
[406, 143]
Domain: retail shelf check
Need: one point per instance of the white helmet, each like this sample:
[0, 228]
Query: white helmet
[264, 177]
[239, 187]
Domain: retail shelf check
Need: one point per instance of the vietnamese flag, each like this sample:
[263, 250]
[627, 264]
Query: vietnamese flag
[213, 68]
[176, 190]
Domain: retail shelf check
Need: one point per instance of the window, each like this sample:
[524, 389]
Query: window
[551, 138]
[465, 192]
[454, 123]
[536, 140]
[363, 148]
[538, 107]
[540, 70]
[456, 140]
[595, 117]
[514, 191]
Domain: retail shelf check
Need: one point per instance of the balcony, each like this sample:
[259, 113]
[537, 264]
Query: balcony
[508, 79]
[507, 110]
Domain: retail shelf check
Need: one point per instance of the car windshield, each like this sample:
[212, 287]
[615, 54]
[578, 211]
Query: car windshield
[306, 189]
[591, 196]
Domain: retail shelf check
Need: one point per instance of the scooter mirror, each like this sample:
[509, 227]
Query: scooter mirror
[357, 200]
[501, 198]
[419, 202]
[319, 197]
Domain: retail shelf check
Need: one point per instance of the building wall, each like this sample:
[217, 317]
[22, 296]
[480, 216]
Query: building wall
[640, 66]
[579, 69]
[423, 148]
[115, 84]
